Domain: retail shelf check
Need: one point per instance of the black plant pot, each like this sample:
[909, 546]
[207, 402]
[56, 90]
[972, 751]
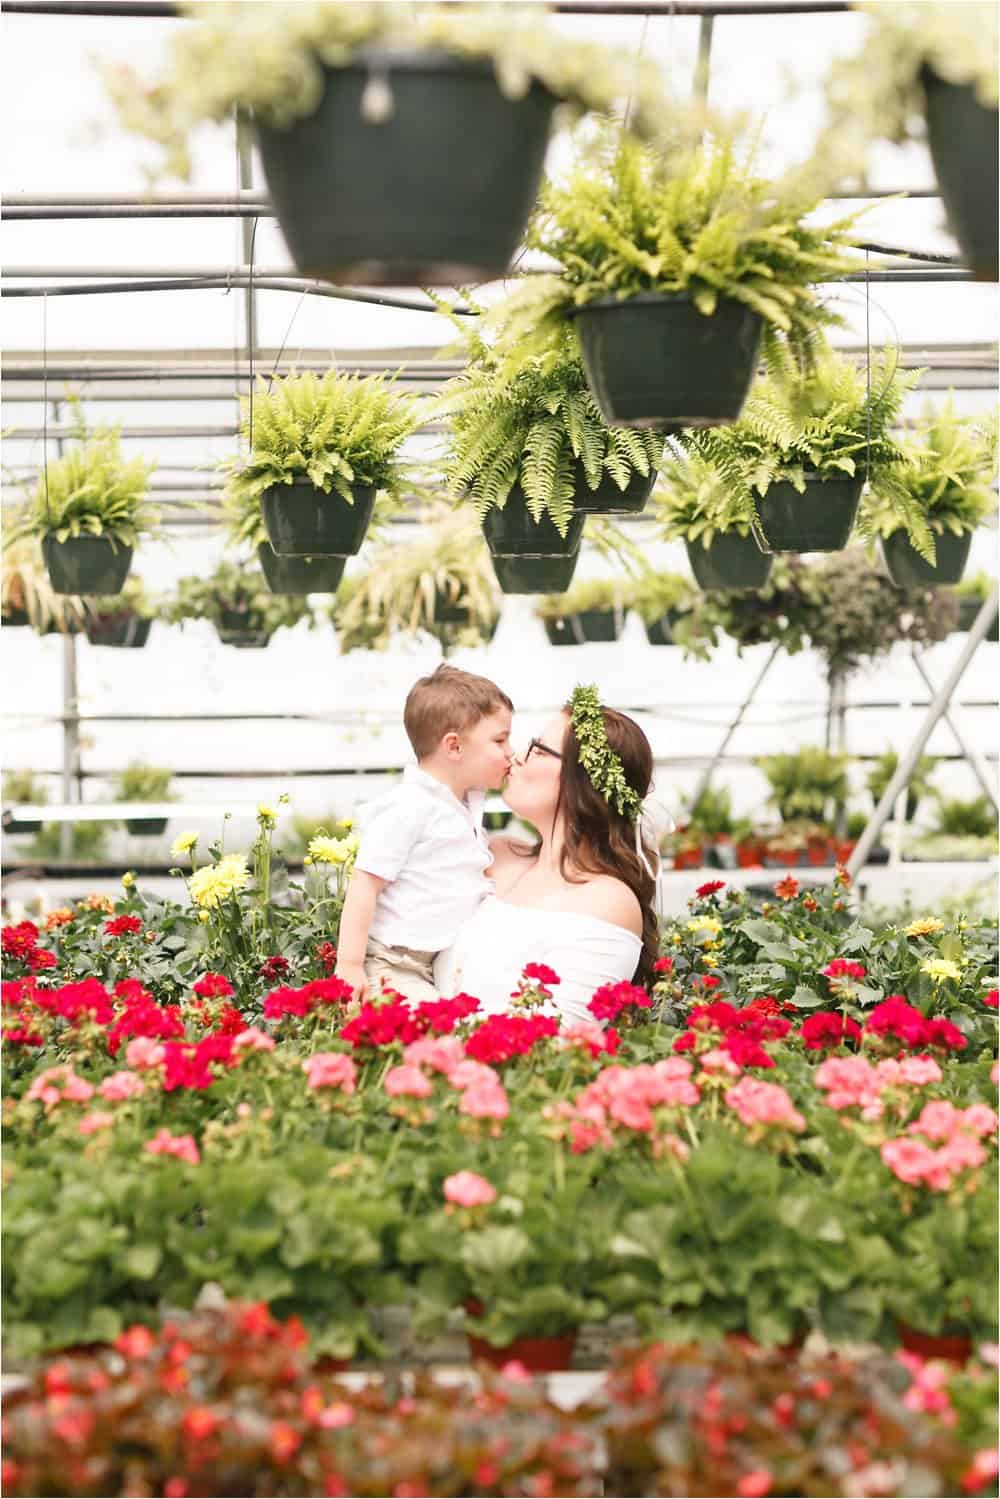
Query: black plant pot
[437, 193]
[968, 609]
[237, 627]
[302, 521]
[16, 826]
[86, 564]
[590, 627]
[14, 619]
[146, 827]
[730, 561]
[962, 135]
[661, 631]
[608, 499]
[535, 574]
[656, 361]
[514, 532]
[908, 569]
[820, 520]
[300, 574]
[124, 631]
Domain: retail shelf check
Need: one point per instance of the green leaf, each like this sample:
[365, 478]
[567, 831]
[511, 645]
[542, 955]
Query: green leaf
[142, 1260]
[805, 998]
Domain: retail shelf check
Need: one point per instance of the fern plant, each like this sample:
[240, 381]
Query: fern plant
[335, 431]
[591, 594]
[835, 419]
[810, 782]
[532, 421]
[143, 783]
[653, 594]
[133, 599]
[628, 220]
[235, 588]
[693, 502]
[944, 481]
[27, 589]
[92, 490]
[442, 583]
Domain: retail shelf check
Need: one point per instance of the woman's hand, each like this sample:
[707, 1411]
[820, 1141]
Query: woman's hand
[354, 974]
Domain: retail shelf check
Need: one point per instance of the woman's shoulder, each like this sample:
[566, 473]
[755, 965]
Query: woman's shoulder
[608, 898]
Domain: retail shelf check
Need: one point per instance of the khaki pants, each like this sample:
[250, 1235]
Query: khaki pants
[407, 969]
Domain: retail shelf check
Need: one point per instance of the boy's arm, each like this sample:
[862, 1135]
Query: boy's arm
[359, 909]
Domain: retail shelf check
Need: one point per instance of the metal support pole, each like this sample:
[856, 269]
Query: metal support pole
[705, 778]
[702, 67]
[244, 165]
[836, 734]
[908, 762]
[979, 767]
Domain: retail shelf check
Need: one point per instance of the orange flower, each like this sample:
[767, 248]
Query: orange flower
[284, 1441]
[60, 917]
[809, 904]
[787, 889]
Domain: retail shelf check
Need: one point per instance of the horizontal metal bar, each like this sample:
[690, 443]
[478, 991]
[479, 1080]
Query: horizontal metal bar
[216, 282]
[161, 9]
[21, 213]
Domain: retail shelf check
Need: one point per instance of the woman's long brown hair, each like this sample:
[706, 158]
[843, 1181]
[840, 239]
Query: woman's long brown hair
[597, 839]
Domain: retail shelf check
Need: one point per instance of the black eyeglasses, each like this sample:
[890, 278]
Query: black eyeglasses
[544, 749]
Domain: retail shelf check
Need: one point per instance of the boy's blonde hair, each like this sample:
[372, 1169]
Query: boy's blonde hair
[448, 701]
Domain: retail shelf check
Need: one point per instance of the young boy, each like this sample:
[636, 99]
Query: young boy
[421, 868]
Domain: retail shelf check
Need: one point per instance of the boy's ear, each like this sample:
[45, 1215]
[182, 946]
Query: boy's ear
[451, 744]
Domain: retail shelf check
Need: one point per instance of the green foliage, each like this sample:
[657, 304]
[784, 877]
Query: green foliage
[133, 599]
[977, 586]
[885, 768]
[143, 783]
[693, 502]
[92, 490]
[943, 483]
[628, 220]
[305, 828]
[809, 782]
[593, 593]
[652, 594]
[235, 587]
[22, 786]
[418, 586]
[88, 842]
[712, 813]
[26, 585]
[971, 819]
[831, 420]
[948, 848]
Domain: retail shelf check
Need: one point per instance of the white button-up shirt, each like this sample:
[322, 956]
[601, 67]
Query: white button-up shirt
[432, 849]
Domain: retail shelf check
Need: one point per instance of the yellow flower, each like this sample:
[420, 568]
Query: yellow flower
[128, 879]
[940, 968]
[266, 813]
[963, 926]
[204, 916]
[212, 884]
[184, 844]
[704, 926]
[333, 850]
[710, 960]
[283, 799]
[924, 926]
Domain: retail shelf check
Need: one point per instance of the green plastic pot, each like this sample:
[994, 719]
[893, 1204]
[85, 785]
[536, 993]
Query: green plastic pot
[820, 520]
[608, 499]
[730, 561]
[535, 574]
[302, 521]
[588, 627]
[908, 569]
[146, 827]
[514, 532]
[300, 574]
[236, 627]
[661, 631]
[439, 192]
[86, 564]
[656, 361]
[124, 631]
[962, 135]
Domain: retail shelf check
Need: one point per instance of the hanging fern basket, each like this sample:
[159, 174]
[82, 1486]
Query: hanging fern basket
[514, 531]
[125, 630]
[590, 627]
[535, 574]
[820, 520]
[303, 521]
[146, 827]
[300, 575]
[661, 631]
[414, 170]
[241, 628]
[962, 135]
[656, 361]
[608, 499]
[908, 569]
[86, 564]
[729, 561]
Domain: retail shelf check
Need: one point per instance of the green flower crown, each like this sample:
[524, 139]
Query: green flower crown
[604, 768]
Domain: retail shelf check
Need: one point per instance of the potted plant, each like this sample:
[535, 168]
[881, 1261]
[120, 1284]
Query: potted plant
[440, 583]
[144, 783]
[237, 600]
[319, 451]
[809, 782]
[22, 786]
[965, 819]
[662, 601]
[695, 504]
[928, 70]
[883, 771]
[88, 842]
[926, 507]
[805, 444]
[123, 620]
[589, 612]
[88, 509]
[401, 144]
[295, 575]
[28, 595]
[676, 269]
[970, 595]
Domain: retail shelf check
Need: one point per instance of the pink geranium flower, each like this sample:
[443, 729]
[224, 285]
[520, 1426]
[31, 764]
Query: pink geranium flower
[144, 1053]
[468, 1190]
[331, 1069]
[483, 1101]
[121, 1085]
[764, 1103]
[91, 1123]
[439, 1053]
[253, 1039]
[407, 1080]
[183, 1147]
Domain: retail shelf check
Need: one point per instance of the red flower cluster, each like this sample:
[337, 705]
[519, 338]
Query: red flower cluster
[188, 1065]
[214, 986]
[663, 965]
[17, 995]
[541, 973]
[611, 999]
[442, 1015]
[142, 1016]
[504, 1036]
[843, 968]
[828, 1028]
[275, 968]
[225, 1022]
[703, 891]
[380, 1025]
[898, 1019]
[327, 955]
[992, 998]
[122, 926]
[329, 991]
[87, 1000]
[743, 1031]
[20, 945]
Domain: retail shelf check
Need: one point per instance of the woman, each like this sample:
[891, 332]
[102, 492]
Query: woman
[581, 900]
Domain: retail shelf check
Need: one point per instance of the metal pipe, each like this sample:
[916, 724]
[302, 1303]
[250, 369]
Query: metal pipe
[229, 279]
[703, 66]
[939, 704]
[160, 9]
[979, 767]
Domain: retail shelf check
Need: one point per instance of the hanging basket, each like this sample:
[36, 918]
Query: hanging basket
[608, 499]
[535, 574]
[14, 619]
[908, 569]
[86, 564]
[146, 827]
[514, 532]
[300, 574]
[730, 561]
[590, 627]
[124, 631]
[968, 610]
[661, 631]
[437, 191]
[656, 361]
[236, 627]
[820, 520]
[962, 135]
[302, 521]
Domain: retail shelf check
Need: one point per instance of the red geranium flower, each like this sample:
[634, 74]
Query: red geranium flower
[17, 941]
[828, 1028]
[843, 968]
[273, 968]
[540, 972]
[611, 999]
[327, 955]
[39, 958]
[504, 1036]
[213, 986]
[663, 965]
[122, 925]
[992, 998]
[710, 888]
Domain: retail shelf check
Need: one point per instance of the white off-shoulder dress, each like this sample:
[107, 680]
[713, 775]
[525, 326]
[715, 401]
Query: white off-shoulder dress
[491, 950]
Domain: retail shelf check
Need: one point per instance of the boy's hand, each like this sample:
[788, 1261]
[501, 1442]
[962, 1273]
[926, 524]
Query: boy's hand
[354, 974]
